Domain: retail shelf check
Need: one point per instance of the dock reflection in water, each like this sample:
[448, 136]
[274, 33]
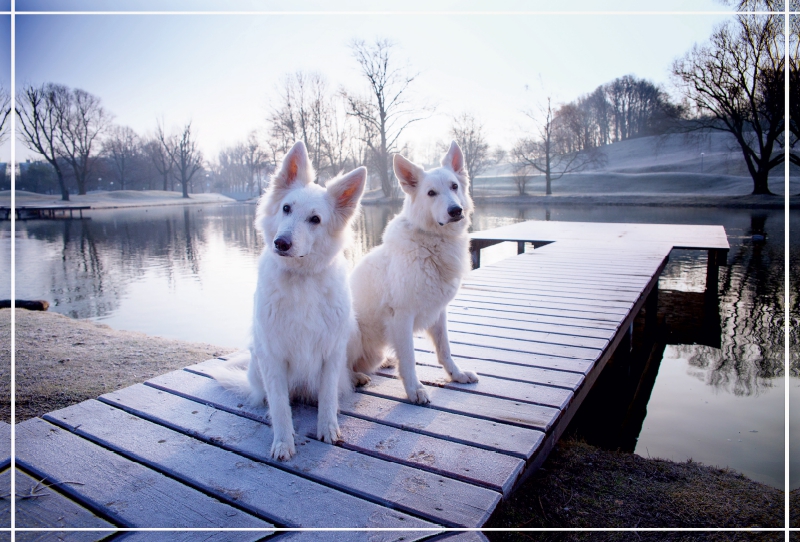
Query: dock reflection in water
[702, 384]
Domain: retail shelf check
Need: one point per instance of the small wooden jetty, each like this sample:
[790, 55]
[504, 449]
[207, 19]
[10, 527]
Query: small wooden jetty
[27, 212]
[178, 451]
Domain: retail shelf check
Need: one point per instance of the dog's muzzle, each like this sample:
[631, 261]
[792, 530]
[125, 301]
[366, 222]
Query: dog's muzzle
[282, 245]
[456, 213]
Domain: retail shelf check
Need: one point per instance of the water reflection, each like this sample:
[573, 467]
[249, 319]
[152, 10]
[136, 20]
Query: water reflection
[189, 273]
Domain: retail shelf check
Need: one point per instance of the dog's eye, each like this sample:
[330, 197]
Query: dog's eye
[431, 193]
[287, 209]
[314, 219]
[454, 186]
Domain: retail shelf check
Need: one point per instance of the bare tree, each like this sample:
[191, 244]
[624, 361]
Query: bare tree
[187, 158]
[543, 154]
[122, 147]
[82, 120]
[38, 111]
[794, 89]
[385, 112]
[736, 83]
[5, 113]
[468, 132]
[161, 150]
[521, 174]
[257, 161]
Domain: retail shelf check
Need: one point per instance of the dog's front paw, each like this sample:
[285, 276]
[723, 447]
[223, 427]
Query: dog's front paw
[418, 395]
[464, 377]
[282, 450]
[329, 432]
[359, 379]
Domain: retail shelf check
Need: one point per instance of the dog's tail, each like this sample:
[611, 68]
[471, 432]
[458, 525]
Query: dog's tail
[232, 375]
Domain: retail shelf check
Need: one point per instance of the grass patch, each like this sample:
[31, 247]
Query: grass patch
[583, 486]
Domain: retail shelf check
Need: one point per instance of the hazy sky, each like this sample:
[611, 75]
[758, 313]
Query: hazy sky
[220, 70]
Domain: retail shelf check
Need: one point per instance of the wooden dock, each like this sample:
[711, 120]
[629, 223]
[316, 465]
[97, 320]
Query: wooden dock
[28, 212]
[178, 451]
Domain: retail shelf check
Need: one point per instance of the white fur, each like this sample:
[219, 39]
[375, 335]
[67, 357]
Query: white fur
[405, 284]
[303, 309]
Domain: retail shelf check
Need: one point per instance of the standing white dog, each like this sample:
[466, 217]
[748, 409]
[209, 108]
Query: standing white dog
[303, 308]
[405, 284]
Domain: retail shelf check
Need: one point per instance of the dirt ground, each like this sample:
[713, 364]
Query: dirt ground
[61, 361]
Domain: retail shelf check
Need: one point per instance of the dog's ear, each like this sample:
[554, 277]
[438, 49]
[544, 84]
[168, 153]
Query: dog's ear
[296, 168]
[346, 192]
[454, 159]
[408, 173]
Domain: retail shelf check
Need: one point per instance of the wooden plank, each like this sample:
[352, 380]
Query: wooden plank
[534, 285]
[200, 536]
[516, 345]
[5, 502]
[53, 510]
[615, 297]
[127, 493]
[488, 408]
[467, 300]
[5, 445]
[463, 536]
[562, 276]
[63, 536]
[511, 440]
[260, 489]
[604, 329]
[542, 324]
[435, 498]
[487, 327]
[563, 372]
[616, 307]
[491, 386]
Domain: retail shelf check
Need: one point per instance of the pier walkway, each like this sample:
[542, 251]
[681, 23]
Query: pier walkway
[178, 451]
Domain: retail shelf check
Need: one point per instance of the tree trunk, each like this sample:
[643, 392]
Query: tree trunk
[761, 183]
[62, 185]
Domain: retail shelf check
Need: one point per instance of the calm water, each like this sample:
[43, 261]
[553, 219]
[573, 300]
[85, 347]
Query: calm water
[189, 273]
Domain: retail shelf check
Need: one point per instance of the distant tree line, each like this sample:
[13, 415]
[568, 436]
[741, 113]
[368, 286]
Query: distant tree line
[734, 83]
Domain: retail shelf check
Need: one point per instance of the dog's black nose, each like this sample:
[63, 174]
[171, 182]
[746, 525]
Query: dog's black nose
[454, 211]
[283, 244]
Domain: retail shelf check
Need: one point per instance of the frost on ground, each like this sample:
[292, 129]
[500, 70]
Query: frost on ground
[61, 361]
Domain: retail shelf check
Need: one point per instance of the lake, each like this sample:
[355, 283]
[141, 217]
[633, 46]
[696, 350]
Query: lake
[189, 273]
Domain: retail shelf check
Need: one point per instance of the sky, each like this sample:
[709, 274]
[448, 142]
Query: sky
[220, 70]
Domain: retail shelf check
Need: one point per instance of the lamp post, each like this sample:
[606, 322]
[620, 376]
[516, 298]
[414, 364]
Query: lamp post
[702, 154]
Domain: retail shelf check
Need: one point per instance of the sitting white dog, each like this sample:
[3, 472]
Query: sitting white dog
[303, 309]
[405, 284]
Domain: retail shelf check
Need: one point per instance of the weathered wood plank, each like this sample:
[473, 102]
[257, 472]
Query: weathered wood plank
[526, 307]
[260, 489]
[128, 493]
[604, 329]
[488, 408]
[551, 375]
[615, 297]
[542, 324]
[487, 327]
[5, 445]
[525, 346]
[5, 502]
[464, 536]
[63, 536]
[562, 276]
[436, 498]
[613, 307]
[200, 536]
[549, 370]
[52, 509]
[491, 386]
[516, 441]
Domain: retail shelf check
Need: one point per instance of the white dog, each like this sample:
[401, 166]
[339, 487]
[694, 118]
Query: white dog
[303, 308]
[405, 284]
